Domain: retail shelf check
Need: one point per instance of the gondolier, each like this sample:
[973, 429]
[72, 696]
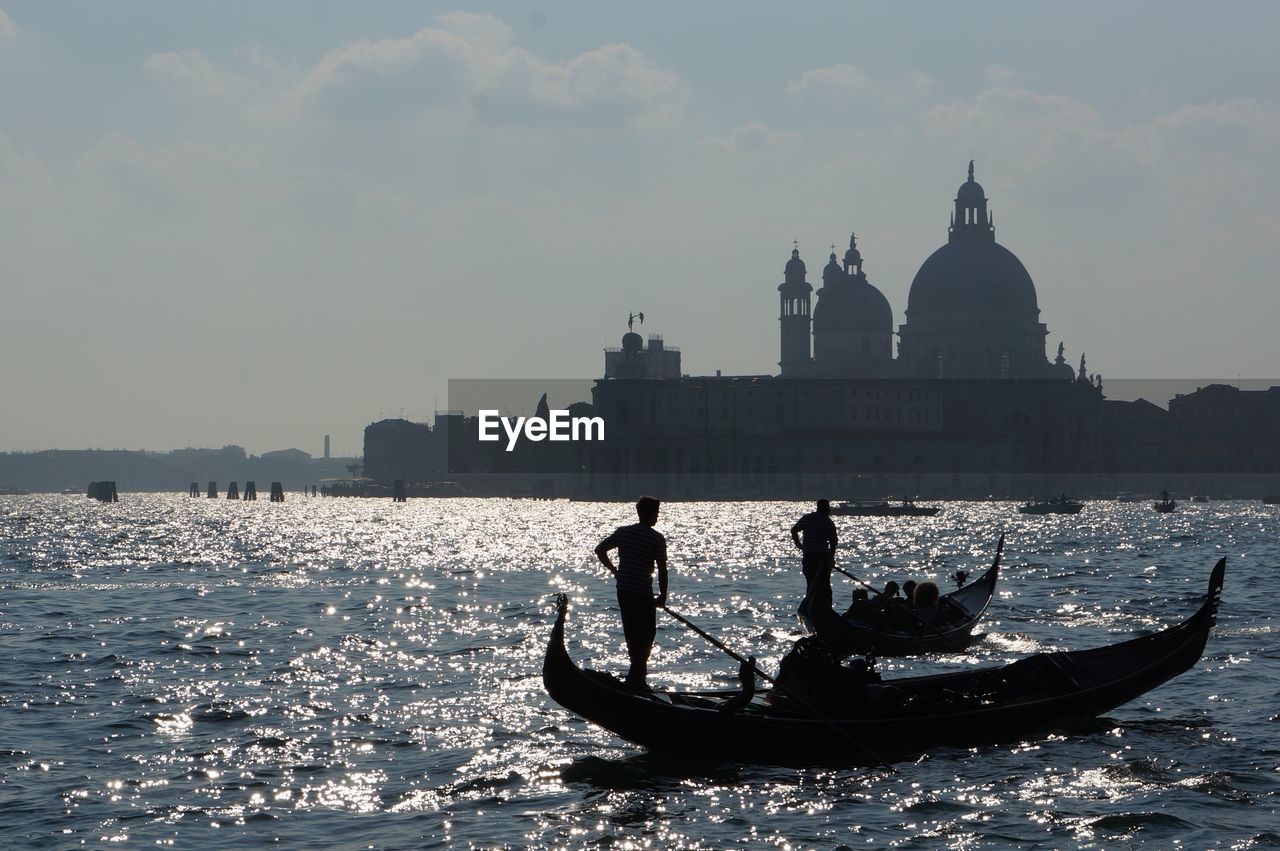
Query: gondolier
[640, 547]
[815, 535]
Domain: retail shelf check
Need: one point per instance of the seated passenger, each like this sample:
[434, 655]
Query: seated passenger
[888, 595]
[899, 615]
[862, 609]
[926, 603]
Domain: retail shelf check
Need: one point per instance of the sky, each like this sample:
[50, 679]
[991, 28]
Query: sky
[259, 223]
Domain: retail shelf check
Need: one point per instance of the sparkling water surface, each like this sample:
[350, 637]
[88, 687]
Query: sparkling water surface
[359, 673]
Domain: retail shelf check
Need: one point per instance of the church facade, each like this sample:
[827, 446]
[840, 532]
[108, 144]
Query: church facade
[972, 312]
[970, 405]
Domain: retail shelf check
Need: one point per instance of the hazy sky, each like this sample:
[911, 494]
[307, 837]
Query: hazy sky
[256, 223]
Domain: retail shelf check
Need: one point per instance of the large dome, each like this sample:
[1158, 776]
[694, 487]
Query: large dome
[972, 275]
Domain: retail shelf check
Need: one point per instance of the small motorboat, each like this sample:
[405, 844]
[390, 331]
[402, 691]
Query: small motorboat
[882, 508]
[1199, 498]
[1057, 505]
[835, 723]
[1166, 505]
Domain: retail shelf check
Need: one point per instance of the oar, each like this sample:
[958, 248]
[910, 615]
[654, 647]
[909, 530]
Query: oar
[931, 627]
[782, 686]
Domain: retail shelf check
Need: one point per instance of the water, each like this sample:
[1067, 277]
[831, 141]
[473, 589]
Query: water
[351, 673]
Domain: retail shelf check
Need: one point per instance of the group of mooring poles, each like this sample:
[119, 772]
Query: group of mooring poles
[233, 491]
[399, 492]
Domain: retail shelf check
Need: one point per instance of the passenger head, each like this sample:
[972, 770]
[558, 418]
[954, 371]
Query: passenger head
[647, 508]
[891, 589]
[909, 589]
[824, 507]
[926, 594]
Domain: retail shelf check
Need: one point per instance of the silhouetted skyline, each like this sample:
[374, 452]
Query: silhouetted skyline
[259, 224]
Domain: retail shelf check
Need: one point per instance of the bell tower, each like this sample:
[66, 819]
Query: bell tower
[794, 314]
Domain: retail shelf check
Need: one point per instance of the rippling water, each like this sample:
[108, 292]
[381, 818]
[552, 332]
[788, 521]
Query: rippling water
[349, 673]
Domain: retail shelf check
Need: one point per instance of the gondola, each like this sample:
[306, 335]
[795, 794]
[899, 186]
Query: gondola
[962, 608]
[1042, 692]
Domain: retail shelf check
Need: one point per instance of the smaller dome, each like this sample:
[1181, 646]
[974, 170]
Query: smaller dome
[852, 306]
[832, 270]
[632, 342]
[970, 190]
[853, 257]
[795, 265]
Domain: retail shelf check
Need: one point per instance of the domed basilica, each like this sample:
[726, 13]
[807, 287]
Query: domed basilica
[971, 312]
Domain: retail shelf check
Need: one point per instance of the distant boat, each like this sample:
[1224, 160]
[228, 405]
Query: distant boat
[8, 491]
[1166, 505]
[1199, 498]
[1057, 505]
[882, 508]
[1128, 497]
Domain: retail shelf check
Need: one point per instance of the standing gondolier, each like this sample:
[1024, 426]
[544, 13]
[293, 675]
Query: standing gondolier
[815, 535]
[640, 547]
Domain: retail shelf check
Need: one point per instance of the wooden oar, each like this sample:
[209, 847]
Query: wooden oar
[782, 686]
[934, 629]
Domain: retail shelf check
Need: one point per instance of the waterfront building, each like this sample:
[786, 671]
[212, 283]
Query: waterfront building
[970, 406]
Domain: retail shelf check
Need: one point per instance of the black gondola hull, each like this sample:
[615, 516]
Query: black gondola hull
[691, 723]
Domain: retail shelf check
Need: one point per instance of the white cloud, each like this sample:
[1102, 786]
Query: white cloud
[847, 78]
[844, 82]
[25, 182]
[755, 137]
[1000, 76]
[185, 177]
[189, 69]
[1002, 110]
[8, 29]
[473, 58]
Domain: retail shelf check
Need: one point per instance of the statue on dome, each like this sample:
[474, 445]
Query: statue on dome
[1062, 347]
[632, 317]
[1083, 375]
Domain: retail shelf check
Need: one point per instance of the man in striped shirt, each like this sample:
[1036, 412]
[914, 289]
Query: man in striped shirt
[819, 548]
[639, 548]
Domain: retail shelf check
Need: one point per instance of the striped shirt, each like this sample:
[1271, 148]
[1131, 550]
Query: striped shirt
[639, 548]
[818, 533]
